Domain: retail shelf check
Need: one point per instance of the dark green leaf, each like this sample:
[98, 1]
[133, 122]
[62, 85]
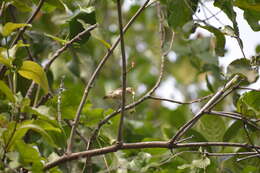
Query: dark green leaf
[180, 12]
[76, 27]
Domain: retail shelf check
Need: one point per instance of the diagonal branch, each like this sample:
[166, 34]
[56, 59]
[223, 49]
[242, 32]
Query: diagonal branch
[94, 75]
[58, 53]
[213, 101]
[120, 23]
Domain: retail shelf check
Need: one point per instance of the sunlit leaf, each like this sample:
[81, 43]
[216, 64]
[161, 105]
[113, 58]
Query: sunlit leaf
[6, 62]
[7, 91]
[11, 27]
[35, 72]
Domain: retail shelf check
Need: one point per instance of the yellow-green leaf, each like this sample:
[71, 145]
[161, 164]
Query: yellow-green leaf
[10, 27]
[5, 61]
[6, 90]
[35, 72]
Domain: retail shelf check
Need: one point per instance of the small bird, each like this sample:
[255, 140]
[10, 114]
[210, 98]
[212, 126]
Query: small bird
[117, 93]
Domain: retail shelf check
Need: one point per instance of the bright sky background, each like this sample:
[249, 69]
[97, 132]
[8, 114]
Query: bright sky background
[250, 40]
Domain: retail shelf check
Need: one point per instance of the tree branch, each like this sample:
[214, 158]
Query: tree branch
[94, 75]
[121, 123]
[213, 101]
[140, 145]
[29, 21]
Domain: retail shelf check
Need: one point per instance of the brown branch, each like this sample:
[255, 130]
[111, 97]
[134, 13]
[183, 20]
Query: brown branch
[121, 122]
[57, 54]
[66, 45]
[95, 73]
[140, 145]
[213, 101]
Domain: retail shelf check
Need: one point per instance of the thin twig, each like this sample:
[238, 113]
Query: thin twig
[179, 102]
[29, 21]
[57, 54]
[248, 157]
[140, 145]
[95, 73]
[67, 44]
[123, 73]
[213, 101]
[246, 88]
[249, 138]
[234, 115]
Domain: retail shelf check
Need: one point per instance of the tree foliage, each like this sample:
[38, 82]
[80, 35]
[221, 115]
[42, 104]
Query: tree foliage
[73, 100]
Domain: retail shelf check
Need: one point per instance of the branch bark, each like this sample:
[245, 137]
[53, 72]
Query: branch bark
[140, 145]
[94, 75]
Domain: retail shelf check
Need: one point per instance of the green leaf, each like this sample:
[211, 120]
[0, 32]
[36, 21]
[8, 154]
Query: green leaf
[76, 27]
[220, 39]
[6, 62]
[39, 130]
[180, 12]
[11, 27]
[212, 127]
[21, 6]
[248, 104]
[35, 72]
[247, 4]
[7, 91]
[252, 18]
[243, 68]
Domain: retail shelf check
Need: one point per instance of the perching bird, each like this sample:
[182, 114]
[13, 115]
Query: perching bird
[117, 93]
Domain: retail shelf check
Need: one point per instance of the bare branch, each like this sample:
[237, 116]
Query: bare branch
[179, 102]
[57, 54]
[140, 145]
[69, 43]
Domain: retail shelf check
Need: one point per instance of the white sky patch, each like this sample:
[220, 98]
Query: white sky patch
[168, 90]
